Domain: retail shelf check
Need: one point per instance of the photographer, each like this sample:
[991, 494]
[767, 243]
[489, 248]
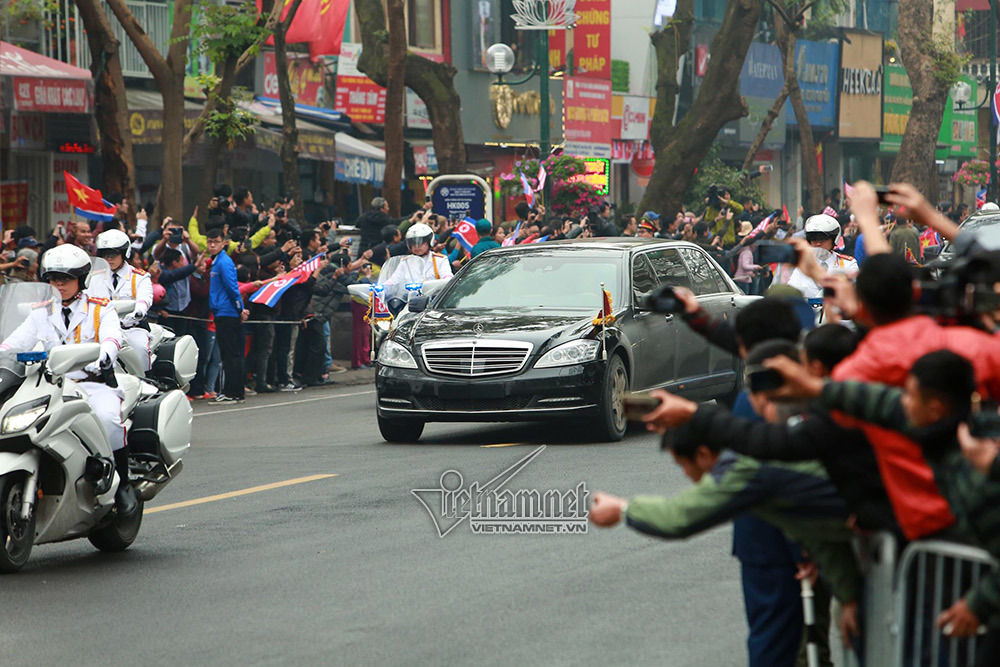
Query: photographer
[717, 203]
[599, 221]
[235, 245]
[245, 213]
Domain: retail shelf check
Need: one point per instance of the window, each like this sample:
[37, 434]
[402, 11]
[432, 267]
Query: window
[670, 269]
[643, 277]
[421, 25]
[705, 278]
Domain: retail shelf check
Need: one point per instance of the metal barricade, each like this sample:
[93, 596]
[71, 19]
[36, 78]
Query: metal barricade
[931, 577]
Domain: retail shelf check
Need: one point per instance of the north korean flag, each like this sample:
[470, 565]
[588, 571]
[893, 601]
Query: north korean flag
[88, 202]
[465, 233]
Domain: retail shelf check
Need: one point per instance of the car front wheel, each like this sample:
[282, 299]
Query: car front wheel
[611, 421]
[400, 430]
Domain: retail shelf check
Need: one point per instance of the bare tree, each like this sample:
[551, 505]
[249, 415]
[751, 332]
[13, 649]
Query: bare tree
[680, 148]
[928, 53]
[112, 105]
[168, 73]
[394, 98]
[433, 82]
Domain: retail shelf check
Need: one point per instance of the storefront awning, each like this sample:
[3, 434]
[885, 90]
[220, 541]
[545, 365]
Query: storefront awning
[37, 83]
[358, 161]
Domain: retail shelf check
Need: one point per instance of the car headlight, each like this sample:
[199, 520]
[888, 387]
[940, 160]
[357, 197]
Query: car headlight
[22, 416]
[567, 354]
[395, 355]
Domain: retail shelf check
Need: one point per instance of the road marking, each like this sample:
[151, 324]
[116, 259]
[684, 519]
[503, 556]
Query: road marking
[506, 444]
[236, 494]
[229, 411]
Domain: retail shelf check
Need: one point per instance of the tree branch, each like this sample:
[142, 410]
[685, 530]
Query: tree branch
[154, 60]
[781, 10]
[211, 101]
[290, 16]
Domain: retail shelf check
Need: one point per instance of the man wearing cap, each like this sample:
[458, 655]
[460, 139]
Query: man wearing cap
[486, 241]
[25, 261]
[646, 230]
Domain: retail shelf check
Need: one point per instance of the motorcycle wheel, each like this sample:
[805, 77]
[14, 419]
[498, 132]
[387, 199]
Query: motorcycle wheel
[118, 535]
[16, 536]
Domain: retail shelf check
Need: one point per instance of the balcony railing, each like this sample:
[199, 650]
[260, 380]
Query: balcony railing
[66, 40]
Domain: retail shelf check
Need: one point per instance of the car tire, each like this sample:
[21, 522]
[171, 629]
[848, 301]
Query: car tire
[730, 398]
[400, 430]
[611, 423]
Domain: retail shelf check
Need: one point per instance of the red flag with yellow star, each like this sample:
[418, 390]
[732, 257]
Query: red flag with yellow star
[88, 202]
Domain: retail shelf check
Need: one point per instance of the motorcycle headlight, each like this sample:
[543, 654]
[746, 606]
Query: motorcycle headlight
[395, 355]
[568, 354]
[23, 416]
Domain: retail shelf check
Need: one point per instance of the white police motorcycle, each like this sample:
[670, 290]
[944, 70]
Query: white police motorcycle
[57, 476]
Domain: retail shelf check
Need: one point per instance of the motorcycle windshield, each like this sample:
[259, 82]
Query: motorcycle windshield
[16, 303]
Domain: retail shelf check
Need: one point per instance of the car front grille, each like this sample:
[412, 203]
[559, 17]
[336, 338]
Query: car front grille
[508, 403]
[475, 358]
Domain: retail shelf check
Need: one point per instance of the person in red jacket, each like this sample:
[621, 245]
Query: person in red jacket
[897, 338]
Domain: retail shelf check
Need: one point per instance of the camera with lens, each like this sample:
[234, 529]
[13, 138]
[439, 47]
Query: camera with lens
[663, 300]
[963, 291]
[222, 204]
[714, 195]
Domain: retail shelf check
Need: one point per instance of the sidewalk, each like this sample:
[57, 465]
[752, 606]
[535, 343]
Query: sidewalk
[350, 378]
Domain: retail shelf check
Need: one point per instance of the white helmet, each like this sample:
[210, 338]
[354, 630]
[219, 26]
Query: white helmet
[114, 241]
[65, 260]
[823, 224]
[990, 207]
[417, 234]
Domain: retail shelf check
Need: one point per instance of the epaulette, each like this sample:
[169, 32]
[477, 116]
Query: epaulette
[98, 300]
[842, 256]
[42, 304]
[139, 271]
[437, 254]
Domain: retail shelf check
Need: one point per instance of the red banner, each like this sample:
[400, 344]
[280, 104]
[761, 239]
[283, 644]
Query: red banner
[358, 96]
[592, 39]
[557, 49]
[305, 25]
[332, 18]
[587, 112]
[14, 203]
[52, 95]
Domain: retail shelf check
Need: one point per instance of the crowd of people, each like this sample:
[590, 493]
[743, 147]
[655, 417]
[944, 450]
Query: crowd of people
[871, 422]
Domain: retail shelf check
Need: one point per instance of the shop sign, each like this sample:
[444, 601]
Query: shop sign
[861, 77]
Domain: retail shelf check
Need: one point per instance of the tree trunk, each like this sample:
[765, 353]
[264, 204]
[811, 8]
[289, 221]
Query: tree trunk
[168, 73]
[765, 126]
[215, 144]
[394, 98]
[680, 149]
[810, 168]
[111, 102]
[289, 133]
[433, 82]
[915, 162]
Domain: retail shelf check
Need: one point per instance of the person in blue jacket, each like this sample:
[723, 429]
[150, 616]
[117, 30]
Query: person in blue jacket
[227, 309]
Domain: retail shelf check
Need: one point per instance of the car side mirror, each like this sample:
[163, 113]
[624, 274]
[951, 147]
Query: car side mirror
[66, 358]
[418, 304]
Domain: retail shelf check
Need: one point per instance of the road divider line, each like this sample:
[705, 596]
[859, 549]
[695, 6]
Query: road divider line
[506, 444]
[229, 411]
[236, 494]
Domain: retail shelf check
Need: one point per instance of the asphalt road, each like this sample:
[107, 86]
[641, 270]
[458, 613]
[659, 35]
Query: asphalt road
[350, 570]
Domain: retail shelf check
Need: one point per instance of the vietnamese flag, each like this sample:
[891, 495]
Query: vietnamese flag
[330, 33]
[305, 25]
[88, 202]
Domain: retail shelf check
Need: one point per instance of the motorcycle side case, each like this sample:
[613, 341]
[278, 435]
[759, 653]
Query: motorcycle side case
[176, 361]
[161, 426]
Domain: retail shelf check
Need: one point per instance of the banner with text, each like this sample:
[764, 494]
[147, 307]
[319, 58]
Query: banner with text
[592, 39]
[358, 96]
[587, 114]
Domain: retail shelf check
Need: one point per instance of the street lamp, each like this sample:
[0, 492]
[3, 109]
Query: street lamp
[542, 16]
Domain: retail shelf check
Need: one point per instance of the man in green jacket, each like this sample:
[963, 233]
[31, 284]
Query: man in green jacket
[795, 497]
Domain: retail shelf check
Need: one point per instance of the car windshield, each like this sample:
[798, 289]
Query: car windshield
[556, 280]
[16, 302]
[986, 231]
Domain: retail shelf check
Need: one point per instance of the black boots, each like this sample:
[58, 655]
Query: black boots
[125, 500]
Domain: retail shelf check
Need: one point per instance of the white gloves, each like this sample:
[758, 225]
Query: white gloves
[134, 317]
[95, 367]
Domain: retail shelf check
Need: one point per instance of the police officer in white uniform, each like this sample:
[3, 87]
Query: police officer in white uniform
[822, 232]
[81, 318]
[124, 282]
[420, 265]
